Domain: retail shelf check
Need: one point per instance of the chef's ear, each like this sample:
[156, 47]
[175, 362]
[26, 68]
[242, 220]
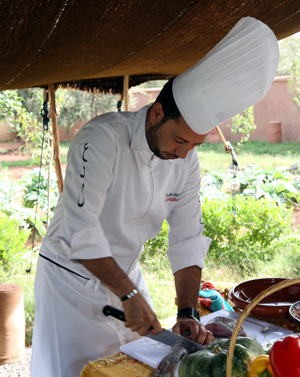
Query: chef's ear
[156, 113]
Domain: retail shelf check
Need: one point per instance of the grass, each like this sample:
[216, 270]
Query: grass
[64, 146]
[213, 156]
[159, 279]
[9, 164]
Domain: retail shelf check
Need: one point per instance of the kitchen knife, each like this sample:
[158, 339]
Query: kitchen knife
[165, 336]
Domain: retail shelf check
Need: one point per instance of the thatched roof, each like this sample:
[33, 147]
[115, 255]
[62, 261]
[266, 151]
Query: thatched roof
[94, 43]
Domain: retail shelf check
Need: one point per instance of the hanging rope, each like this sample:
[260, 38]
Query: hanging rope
[44, 114]
[234, 165]
[294, 167]
[119, 103]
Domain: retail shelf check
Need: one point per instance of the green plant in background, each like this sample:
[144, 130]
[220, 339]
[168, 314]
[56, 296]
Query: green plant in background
[9, 105]
[212, 183]
[289, 49]
[31, 187]
[12, 243]
[243, 125]
[274, 184]
[25, 217]
[277, 184]
[243, 239]
[294, 82]
[30, 130]
[27, 124]
[8, 190]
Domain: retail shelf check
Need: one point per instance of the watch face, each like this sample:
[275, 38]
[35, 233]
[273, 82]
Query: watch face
[197, 315]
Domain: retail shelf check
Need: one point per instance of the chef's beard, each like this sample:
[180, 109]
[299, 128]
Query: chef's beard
[153, 142]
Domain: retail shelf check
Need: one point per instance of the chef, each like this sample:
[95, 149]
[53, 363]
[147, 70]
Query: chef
[126, 173]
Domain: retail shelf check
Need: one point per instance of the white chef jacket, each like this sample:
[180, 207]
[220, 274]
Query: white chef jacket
[116, 196]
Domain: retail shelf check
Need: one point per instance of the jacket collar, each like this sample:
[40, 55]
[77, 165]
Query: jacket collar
[138, 131]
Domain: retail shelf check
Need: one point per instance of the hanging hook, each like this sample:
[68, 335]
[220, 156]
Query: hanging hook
[45, 111]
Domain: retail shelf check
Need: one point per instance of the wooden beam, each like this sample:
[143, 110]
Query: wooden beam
[56, 152]
[126, 93]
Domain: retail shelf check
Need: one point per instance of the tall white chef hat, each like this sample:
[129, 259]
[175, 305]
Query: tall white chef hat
[234, 75]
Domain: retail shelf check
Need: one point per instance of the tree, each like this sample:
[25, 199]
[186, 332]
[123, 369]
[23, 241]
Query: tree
[10, 106]
[76, 105]
[15, 110]
[289, 52]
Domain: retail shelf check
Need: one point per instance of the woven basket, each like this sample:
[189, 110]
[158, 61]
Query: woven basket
[245, 313]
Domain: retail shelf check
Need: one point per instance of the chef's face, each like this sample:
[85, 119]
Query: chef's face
[171, 139]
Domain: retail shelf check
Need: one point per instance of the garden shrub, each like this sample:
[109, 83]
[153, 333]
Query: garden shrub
[25, 217]
[12, 243]
[274, 184]
[245, 238]
[31, 184]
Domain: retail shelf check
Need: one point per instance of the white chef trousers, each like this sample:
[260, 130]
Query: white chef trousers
[69, 327]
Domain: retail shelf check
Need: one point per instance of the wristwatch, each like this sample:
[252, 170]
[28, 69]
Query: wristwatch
[190, 312]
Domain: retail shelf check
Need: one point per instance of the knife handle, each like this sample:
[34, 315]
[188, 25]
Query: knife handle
[114, 312]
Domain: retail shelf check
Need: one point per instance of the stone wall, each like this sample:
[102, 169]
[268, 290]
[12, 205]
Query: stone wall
[277, 106]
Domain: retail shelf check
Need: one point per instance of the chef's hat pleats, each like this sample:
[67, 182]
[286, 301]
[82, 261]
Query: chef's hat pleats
[234, 75]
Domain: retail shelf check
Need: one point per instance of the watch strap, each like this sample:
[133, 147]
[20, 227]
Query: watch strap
[189, 312]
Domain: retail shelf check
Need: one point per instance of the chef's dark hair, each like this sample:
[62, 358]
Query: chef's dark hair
[167, 101]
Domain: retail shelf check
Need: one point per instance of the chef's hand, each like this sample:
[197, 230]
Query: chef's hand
[139, 316]
[196, 330]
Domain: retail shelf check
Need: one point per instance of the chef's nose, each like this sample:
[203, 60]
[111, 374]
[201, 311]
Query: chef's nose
[182, 150]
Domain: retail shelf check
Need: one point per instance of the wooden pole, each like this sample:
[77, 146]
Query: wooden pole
[227, 149]
[56, 151]
[126, 93]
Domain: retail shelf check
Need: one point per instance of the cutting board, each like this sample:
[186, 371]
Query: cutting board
[150, 352]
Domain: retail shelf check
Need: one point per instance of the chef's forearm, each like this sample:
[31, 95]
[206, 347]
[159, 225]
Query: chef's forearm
[187, 284]
[110, 274]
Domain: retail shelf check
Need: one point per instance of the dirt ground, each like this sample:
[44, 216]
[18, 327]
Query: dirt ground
[10, 153]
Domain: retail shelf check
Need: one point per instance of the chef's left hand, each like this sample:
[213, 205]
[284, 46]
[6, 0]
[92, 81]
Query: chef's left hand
[197, 331]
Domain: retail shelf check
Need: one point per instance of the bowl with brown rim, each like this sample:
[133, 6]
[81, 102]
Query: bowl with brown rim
[276, 305]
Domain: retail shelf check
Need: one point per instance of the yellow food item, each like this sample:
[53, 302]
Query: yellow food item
[115, 366]
[259, 365]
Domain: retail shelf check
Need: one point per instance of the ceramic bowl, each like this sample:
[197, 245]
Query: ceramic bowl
[275, 305]
[295, 311]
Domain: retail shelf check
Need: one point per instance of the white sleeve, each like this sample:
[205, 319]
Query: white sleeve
[89, 174]
[187, 245]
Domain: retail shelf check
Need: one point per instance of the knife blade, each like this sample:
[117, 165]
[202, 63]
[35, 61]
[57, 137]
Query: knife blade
[165, 336]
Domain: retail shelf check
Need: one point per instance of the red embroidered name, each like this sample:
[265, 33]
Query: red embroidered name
[172, 197]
